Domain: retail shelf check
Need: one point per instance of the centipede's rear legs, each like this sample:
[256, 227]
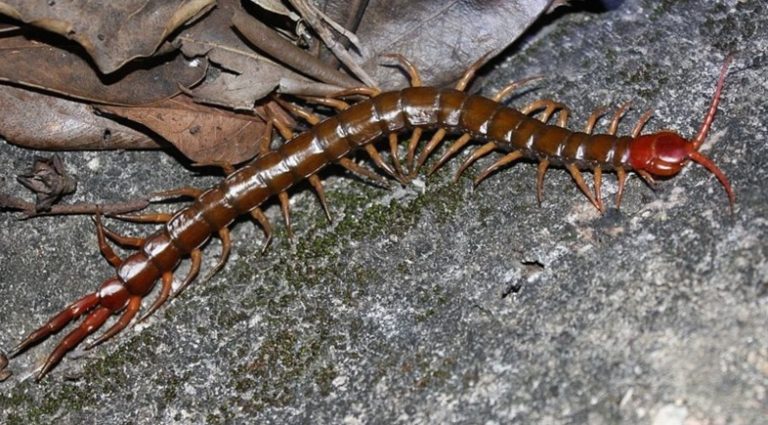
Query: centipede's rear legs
[167, 277]
[97, 307]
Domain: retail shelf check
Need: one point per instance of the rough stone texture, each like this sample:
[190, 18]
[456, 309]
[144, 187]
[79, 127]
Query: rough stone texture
[394, 314]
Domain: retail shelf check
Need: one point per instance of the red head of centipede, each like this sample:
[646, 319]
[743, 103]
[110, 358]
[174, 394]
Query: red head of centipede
[665, 153]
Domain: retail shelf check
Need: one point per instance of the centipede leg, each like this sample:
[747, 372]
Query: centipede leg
[358, 91]
[197, 260]
[415, 80]
[576, 174]
[226, 247]
[622, 177]
[156, 218]
[461, 85]
[318, 186]
[362, 172]
[57, 322]
[452, 150]
[300, 112]
[648, 178]
[614, 126]
[165, 291]
[336, 104]
[410, 69]
[549, 107]
[92, 322]
[377, 159]
[506, 159]
[106, 250]
[598, 176]
[266, 139]
[125, 241]
[394, 147]
[285, 131]
[433, 143]
[313, 180]
[477, 154]
[593, 118]
[641, 123]
[514, 85]
[469, 74]
[181, 192]
[285, 209]
[413, 144]
[258, 215]
[540, 171]
[134, 304]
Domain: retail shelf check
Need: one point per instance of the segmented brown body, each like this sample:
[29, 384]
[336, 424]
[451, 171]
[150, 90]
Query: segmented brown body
[336, 137]
[410, 109]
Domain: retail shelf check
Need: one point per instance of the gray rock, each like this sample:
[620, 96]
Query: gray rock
[394, 313]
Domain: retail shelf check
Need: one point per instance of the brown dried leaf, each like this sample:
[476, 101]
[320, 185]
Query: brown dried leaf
[442, 38]
[39, 121]
[277, 7]
[34, 64]
[112, 32]
[49, 181]
[272, 43]
[243, 75]
[203, 134]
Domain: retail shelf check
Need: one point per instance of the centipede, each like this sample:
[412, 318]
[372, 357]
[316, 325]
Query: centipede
[472, 120]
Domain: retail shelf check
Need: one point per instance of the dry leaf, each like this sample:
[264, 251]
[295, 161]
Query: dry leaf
[112, 32]
[277, 7]
[270, 42]
[243, 75]
[49, 181]
[39, 121]
[442, 38]
[203, 134]
[34, 64]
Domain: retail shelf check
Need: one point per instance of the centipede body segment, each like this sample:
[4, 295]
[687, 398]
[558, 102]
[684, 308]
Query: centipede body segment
[515, 133]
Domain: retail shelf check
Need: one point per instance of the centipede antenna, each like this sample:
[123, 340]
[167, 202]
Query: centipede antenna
[710, 116]
[709, 165]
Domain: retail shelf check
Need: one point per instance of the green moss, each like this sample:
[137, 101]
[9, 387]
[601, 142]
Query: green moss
[26, 409]
[324, 379]
[292, 354]
[430, 371]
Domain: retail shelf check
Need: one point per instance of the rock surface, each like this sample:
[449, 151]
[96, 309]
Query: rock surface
[657, 313]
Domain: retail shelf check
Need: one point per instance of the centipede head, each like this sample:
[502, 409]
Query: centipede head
[665, 153]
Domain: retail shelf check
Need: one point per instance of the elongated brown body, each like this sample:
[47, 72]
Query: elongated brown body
[412, 109]
[336, 137]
